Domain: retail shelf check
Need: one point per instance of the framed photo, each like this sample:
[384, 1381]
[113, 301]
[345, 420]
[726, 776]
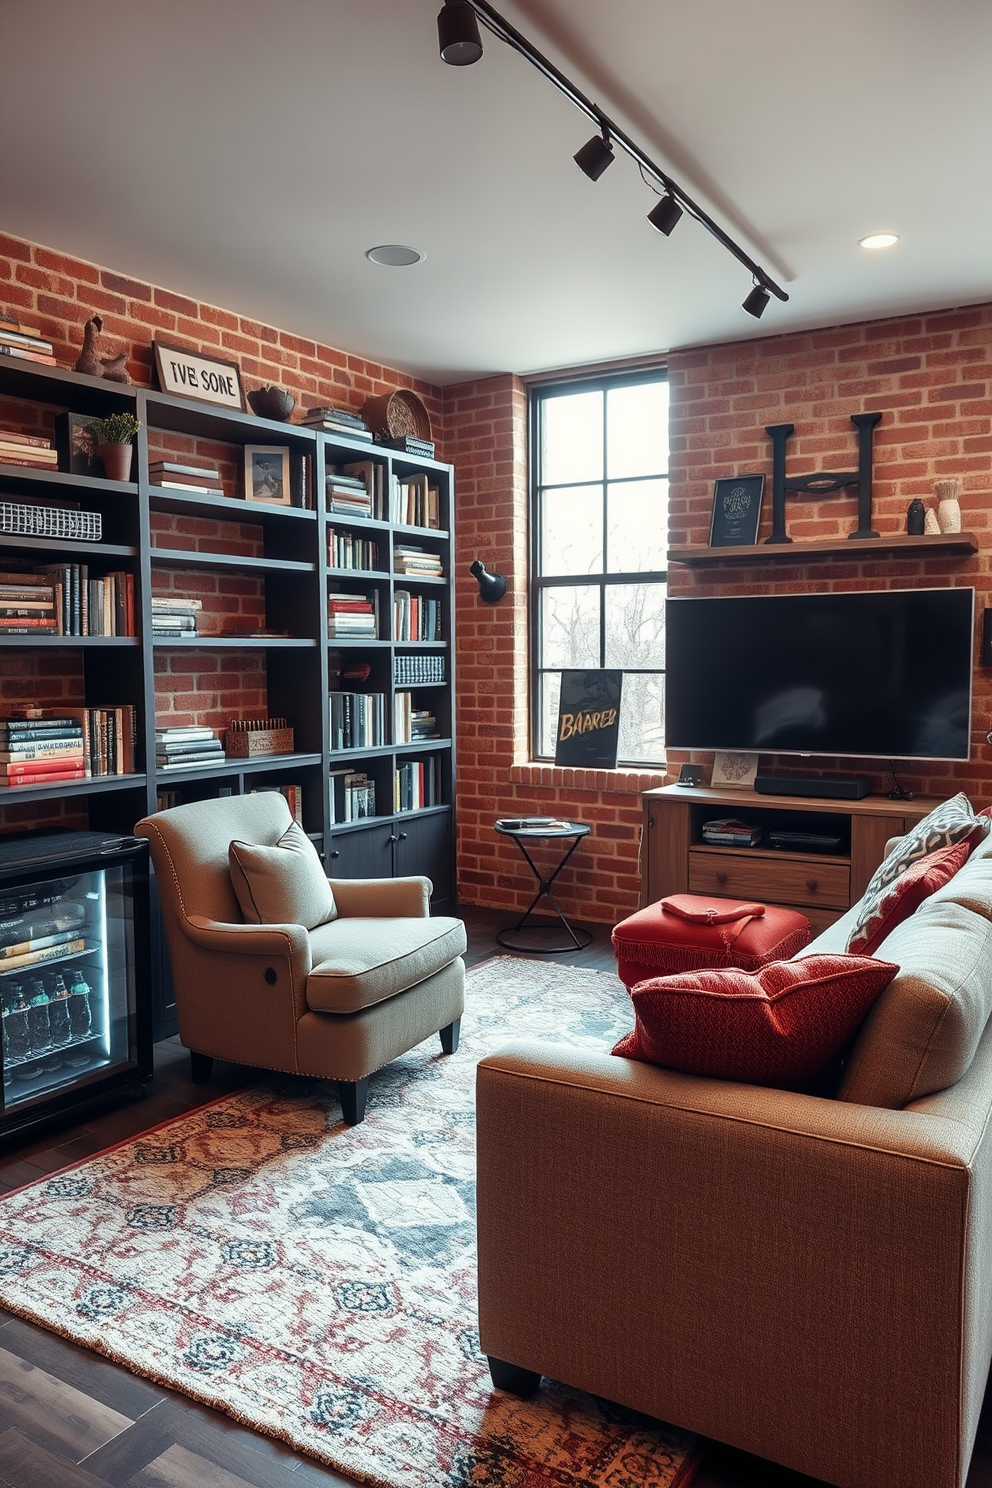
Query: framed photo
[267, 474]
[736, 511]
[734, 771]
[189, 374]
[76, 444]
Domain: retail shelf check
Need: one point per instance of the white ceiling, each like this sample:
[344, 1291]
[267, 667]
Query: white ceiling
[247, 152]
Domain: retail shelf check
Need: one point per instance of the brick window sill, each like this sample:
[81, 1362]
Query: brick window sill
[566, 777]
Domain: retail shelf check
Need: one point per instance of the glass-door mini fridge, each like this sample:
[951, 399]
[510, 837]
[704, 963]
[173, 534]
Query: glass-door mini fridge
[74, 972]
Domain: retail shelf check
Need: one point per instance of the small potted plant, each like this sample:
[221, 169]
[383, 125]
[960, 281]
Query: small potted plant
[115, 436]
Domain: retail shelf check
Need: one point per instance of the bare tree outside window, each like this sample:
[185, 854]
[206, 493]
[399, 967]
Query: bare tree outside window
[600, 522]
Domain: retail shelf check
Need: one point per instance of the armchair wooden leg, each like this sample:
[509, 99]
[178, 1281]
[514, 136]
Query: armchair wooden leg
[449, 1036]
[200, 1066]
[353, 1096]
[513, 1379]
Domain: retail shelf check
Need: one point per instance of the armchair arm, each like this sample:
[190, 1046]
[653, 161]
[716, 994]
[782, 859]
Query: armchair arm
[251, 940]
[383, 898]
[699, 1249]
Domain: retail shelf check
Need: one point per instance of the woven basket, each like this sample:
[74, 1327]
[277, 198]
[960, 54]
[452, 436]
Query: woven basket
[397, 414]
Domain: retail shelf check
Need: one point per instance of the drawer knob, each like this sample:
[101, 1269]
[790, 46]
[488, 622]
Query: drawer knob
[721, 878]
[811, 885]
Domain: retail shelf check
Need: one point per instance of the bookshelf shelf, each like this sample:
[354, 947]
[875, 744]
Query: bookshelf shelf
[183, 558]
[64, 642]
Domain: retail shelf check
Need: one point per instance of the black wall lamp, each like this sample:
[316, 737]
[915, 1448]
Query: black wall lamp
[460, 44]
[492, 586]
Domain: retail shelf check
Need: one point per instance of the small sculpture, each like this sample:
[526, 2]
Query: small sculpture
[272, 403]
[114, 368]
[916, 518]
[948, 509]
[930, 525]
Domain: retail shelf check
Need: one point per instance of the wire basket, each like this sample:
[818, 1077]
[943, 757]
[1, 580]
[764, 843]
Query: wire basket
[49, 521]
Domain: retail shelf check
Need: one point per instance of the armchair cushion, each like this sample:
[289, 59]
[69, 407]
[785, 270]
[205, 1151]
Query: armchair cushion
[360, 962]
[284, 884]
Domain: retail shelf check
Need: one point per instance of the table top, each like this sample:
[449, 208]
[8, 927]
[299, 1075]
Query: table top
[540, 826]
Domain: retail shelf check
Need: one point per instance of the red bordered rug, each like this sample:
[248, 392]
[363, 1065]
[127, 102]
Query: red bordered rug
[317, 1282]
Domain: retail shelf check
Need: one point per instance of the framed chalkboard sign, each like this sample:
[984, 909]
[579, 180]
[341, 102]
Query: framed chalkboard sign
[589, 719]
[736, 511]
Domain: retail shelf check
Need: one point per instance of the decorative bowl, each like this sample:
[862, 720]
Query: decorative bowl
[272, 403]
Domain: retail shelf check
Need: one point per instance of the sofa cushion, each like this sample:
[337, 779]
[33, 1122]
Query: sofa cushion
[281, 885]
[785, 1024]
[904, 895]
[656, 942]
[922, 1033]
[951, 822]
[358, 962]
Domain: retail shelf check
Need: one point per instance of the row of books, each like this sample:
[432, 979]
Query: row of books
[62, 599]
[41, 746]
[337, 421]
[347, 550]
[33, 450]
[352, 796]
[414, 502]
[410, 559]
[24, 342]
[410, 723]
[728, 831]
[173, 615]
[409, 671]
[357, 720]
[415, 618]
[352, 616]
[416, 784]
[180, 747]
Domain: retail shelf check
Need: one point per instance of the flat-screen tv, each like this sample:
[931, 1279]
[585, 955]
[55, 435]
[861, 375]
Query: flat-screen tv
[879, 675]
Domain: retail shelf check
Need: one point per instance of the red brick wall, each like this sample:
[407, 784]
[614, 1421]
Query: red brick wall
[929, 375]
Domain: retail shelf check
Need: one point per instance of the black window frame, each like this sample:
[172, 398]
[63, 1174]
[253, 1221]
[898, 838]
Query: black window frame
[538, 395]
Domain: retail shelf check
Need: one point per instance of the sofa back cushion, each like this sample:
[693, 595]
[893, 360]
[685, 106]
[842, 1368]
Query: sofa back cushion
[904, 895]
[922, 1033]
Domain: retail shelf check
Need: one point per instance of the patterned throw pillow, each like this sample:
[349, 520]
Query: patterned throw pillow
[905, 895]
[951, 822]
[785, 1025]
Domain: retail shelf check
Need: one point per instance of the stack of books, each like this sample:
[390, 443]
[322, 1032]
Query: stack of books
[174, 616]
[727, 831]
[352, 796]
[292, 794]
[173, 476]
[347, 496]
[24, 342]
[353, 616]
[415, 617]
[410, 559]
[372, 474]
[346, 550]
[178, 748]
[41, 751]
[337, 421]
[90, 607]
[27, 605]
[27, 449]
[357, 719]
[416, 783]
[107, 734]
[413, 502]
[411, 724]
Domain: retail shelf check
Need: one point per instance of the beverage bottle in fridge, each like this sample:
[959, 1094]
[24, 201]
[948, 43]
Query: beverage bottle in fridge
[16, 1040]
[58, 1010]
[80, 1014]
[39, 1027]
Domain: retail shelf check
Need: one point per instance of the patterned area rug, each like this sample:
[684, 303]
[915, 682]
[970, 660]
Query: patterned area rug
[317, 1282]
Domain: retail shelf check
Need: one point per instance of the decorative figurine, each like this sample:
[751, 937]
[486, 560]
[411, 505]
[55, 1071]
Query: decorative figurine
[114, 368]
[931, 526]
[916, 518]
[948, 509]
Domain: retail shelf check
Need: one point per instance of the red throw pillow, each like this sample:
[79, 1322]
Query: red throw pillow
[785, 1024]
[904, 895]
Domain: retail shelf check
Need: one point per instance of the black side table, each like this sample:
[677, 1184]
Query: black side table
[524, 830]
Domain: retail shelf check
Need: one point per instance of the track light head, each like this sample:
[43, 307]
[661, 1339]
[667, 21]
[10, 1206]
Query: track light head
[665, 214]
[756, 301]
[458, 36]
[596, 154]
[492, 586]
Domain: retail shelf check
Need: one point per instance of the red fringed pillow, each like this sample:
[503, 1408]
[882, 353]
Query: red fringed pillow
[785, 1025]
[904, 895]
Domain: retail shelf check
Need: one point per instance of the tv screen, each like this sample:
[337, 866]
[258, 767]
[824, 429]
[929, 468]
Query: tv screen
[884, 675]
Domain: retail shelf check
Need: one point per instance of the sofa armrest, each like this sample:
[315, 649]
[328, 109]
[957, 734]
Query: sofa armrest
[383, 898]
[698, 1249]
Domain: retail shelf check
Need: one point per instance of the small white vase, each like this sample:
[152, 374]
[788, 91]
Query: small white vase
[949, 514]
[930, 523]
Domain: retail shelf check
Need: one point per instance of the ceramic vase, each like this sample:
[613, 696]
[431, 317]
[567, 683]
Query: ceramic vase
[948, 509]
[930, 524]
[117, 460]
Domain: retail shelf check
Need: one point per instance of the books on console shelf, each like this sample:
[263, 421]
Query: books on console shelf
[372, 474]
[728, 831]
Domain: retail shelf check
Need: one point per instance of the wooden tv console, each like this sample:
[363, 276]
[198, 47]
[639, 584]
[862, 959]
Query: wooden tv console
[675, 859]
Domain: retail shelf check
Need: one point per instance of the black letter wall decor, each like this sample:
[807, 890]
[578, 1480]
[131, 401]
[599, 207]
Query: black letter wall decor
[826, 482]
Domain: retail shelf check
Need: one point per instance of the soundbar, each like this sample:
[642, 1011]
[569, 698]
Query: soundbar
[827, 787]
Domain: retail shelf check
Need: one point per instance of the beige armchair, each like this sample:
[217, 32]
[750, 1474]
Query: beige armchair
[337, 1002]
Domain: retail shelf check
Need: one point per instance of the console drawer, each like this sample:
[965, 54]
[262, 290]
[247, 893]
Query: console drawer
[770, 878]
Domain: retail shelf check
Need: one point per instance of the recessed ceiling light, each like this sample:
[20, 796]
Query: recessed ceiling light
[394, 255]
[879, 240]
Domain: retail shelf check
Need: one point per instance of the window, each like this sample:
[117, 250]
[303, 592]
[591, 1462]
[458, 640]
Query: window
[599, 510]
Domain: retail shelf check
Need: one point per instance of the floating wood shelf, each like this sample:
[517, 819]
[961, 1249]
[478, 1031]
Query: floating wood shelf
[802, 552]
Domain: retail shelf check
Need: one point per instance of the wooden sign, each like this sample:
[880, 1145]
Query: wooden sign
[589, 719]
[187, 374]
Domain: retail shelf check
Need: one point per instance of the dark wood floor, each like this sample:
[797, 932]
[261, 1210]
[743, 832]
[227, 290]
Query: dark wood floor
[69, 1419]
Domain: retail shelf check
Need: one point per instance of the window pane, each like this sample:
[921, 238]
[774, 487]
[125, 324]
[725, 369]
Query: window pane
[573, 439]
[635, 626]
[570, 627]
[642, 718]
[638, 526]
[637, 430]
[572, 531]
[550, 685]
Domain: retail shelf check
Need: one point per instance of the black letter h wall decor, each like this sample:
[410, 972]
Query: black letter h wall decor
[827, 481]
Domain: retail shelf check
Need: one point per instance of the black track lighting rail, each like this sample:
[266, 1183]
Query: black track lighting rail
[612, 132]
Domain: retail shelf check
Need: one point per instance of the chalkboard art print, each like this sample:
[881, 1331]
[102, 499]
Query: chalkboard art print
[736, 511]
[589, 719]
